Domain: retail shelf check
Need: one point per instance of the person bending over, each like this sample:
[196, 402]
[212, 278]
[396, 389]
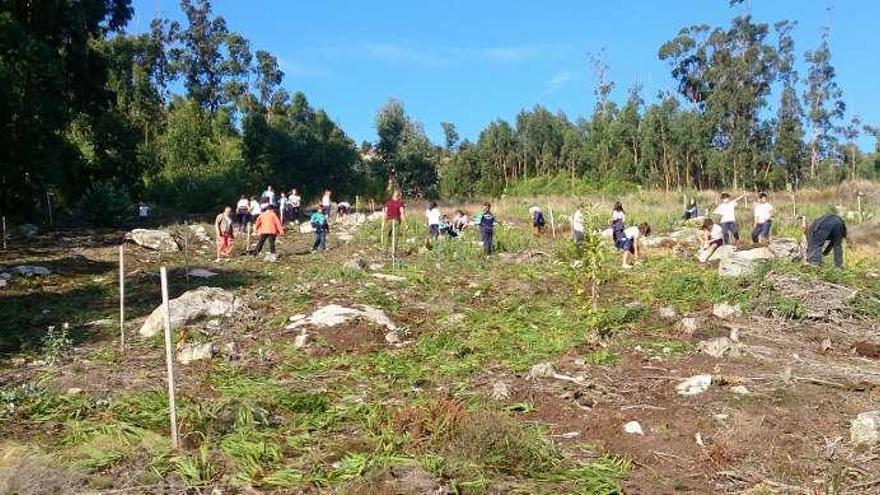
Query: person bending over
[827, 231]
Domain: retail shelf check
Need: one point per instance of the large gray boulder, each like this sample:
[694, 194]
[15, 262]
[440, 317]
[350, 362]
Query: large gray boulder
[158, 240]
[741, 263]
[191, 306]
[787, 249]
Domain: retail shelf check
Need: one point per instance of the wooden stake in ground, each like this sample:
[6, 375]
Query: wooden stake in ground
[49, 206]
[122, 298]
[382, 233]
[552, 223]
[357, 203]
[393, 240]
[186, 252]
[4, 233]
[169, 359]
[859, 199]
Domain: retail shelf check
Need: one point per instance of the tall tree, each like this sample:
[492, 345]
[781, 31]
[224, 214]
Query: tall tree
[823, 99]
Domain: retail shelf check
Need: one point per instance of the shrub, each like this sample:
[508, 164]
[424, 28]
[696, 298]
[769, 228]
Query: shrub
[105, 204]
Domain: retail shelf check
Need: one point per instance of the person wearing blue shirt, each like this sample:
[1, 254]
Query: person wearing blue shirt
[319, 223]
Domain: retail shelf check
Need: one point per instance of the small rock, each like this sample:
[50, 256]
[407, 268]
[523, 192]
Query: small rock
[667, 313]
[301, 340]
[725, 311]
[500, 391]
[375, 267]
[100, 323]
[716, 347]
[694, 385]
[355, 264]
[698, 437]
[201, 273]
[190, 306]
[865, 429]
[32, 271]
[455, 318]
[734, 334]
[570, 434]
[689, 325]
[231, 352]
[826, 344]
[158, 240]
[390, 278]
[392, 337]
[5, 275]
[297, 317]
[74, 391]
[195, 352]
[739, 390]
[334, 314]
[634, 305]
[633, 428]
[3, 283]
[541, 370]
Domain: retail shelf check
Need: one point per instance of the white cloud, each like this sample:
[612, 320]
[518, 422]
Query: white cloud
[299, 69]
[558, 79]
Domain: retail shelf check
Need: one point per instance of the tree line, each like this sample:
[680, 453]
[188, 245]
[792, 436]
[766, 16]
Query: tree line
[188, 116]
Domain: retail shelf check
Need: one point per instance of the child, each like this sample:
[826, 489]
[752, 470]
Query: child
[577, 227]
[459, 221]
[630, 246]
[486, 221]
[343, 208]
[446, 228]
[319, 223]
[714, 237]
[618, 225]
[294, 201]
[827, 228]
[282, 206]
[763, 219]
[268, 227]
[727, 211]
[691, 210]
[325, 203]
[433, 214]
[223, 227]
[538, 221]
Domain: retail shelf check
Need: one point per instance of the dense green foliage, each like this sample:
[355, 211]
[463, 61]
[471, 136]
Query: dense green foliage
[188, 116]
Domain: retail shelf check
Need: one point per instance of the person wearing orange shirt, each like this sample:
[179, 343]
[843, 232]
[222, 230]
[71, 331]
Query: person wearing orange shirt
[268, 227]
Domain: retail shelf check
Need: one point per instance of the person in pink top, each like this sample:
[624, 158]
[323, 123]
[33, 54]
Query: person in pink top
[395, 213]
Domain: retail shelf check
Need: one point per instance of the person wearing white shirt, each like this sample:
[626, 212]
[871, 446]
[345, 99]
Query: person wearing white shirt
[727, 211]
[630, 245]
[242, 214]
[326, 202]
[269, 194]
[433, 214]
[763, 219]
[294, 200]
[713, 238]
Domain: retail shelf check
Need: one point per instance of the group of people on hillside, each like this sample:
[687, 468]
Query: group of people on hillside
[823, 236]
[265, 217]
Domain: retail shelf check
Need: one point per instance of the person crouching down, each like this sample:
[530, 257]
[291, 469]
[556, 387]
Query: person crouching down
[829, 229]
[223, 227]
[268, 227]
[713, 238]
[319, 224]
[630, 244]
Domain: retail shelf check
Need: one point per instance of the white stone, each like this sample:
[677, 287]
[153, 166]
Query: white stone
[716, 347]
[190, 306]
[390, 278]
[306, 228]
[74, 391]
[541, 370]
[200, 233]
[297, 317]
[694, 385]
[301, 340]
[195, 352]
[5, 275]
[726, 311]
[334, 314]
[667, 312]
[865, 429]
[392, 337]
[3, 283]
[633, 428]
[158, 240]
[500, 391]
[689, 325]
[201, 273]
[355, 264]
[739, 390]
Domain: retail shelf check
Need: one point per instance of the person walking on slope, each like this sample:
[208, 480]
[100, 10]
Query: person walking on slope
[727, 211]
[829, 229]
[268, 227]
[395, 213]
[763, 219]
[486, 221]
[223, 228]
[319, 224]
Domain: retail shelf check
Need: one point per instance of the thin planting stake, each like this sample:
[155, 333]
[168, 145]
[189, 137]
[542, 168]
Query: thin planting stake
[122, 298]
[552, 223]
[4, 232]
[169, 359]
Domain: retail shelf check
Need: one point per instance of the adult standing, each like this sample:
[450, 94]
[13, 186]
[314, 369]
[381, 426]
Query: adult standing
[242, 214]
[269, 194]
[486, 221]
[577, 227]
[827, 231]
[395, 213]
[223, 227]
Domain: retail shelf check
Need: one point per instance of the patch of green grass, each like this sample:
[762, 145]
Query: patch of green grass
[601, 476]
[663, 348]
[602, 357]
[253, 452]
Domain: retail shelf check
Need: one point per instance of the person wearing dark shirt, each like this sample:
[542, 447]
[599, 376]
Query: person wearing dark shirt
[486, 221]
[830, 229]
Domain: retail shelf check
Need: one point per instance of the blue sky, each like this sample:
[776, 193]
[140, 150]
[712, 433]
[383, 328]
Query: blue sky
[469, 62]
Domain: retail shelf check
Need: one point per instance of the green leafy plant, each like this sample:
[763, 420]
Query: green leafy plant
[106, 204]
